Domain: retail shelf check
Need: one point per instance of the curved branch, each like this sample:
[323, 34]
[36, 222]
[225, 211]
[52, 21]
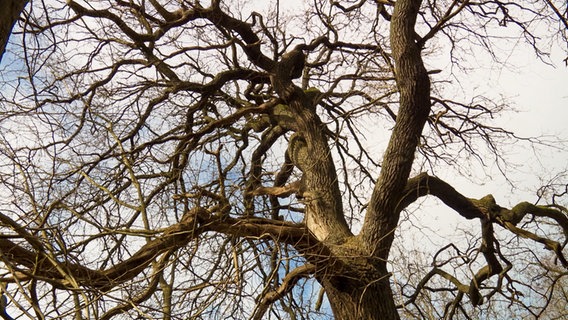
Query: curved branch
[287, 285]
[135, 36]
[424, 184]
[280, 192]
[193, 223]
[173, 237]
[253, 184]
[463, 288]
[414, 88]
[142, 296]
[251, 45]
[449, 14]
[548, 244]
[487, 209]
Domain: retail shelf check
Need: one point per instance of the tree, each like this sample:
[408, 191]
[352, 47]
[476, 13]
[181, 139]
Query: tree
[188, 159]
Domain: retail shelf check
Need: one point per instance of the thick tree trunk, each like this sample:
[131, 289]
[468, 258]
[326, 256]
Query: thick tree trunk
[355, 299]
[356, 283]
[310, 152]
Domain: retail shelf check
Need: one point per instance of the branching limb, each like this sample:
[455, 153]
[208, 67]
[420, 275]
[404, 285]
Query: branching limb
[251, 43]
[451, 12]
[40, 266]
[142, 296]
[281, 192]
[487, 208]
[423, 185]
[193, 223]
[287, 285]
[548, 244]
[254, 176]
[489, 213]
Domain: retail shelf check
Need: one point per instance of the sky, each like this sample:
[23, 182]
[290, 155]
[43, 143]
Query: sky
[539, 93]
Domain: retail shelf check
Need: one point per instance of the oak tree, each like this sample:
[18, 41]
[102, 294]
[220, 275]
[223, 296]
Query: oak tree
[226, 159]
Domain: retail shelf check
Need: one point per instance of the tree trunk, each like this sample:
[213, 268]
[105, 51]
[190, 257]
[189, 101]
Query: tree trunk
[414, 88]
[352, 299]
[366, 293]
[357, 284]
[355, 299]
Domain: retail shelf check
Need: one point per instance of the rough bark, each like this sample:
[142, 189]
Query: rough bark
[414, 89]
[310, 151]
[357, 285]
[352, 299]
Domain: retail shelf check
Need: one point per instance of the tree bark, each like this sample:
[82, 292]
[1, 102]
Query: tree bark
[362, 290]
[357, 285]
[414, 88]
[310, 152]
[351, 299]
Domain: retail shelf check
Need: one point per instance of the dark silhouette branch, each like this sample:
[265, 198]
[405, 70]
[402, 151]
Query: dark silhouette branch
[11, 11]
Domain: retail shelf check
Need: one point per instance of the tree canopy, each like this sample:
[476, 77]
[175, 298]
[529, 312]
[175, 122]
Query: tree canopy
[167, 159]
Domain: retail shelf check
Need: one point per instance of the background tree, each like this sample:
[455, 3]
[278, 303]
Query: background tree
[188, 159]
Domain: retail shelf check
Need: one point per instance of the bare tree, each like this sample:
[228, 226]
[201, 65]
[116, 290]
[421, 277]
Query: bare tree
[189, 159]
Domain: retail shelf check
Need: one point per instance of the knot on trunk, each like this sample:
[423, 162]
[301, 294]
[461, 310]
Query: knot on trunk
[298, 151]
[298, 154]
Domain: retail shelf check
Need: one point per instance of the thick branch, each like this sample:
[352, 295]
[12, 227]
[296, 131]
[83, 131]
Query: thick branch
[487, 209]
[324, 213]
[414, 87]
[193, 223]
[423, 185]
[310, 153]
[56, 273]
[280, 192]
